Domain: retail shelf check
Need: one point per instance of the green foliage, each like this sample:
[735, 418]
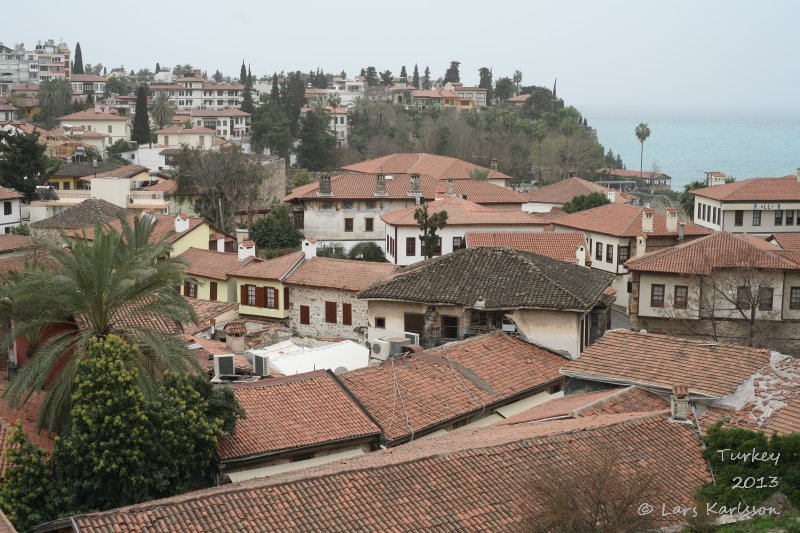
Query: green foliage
[415, 78]
[585, 201]
[276, 230]
[785, 471]
[317, 149]
[271, 129]
[117, 85]
[443, 143]
[485, 74]
[22, 229]
[141, 122]
[642, 134]
[687, 198]
[27, 495]
[480, 174]
[426, 79]
[429, 224]
[611, 160]
[100, 281]
[77, 61]
[182, 71]
[293, 98]
[274, 93]
[335, 251]
[541, 103]
[221, 402]
[162, 109]
[452, 73]
[300, 179]
[386, 78]
[403, 74]
[371, 77]
[22, 161]
[367, 251]
[55, 100]
[504, 88]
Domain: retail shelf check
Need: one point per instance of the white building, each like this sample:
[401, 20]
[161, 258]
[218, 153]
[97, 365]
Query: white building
[88, 84]
[198, 93]
[115, 126]
[178, 136]
[48, 61]
[289, 358]
[230, 124]
[11, 215]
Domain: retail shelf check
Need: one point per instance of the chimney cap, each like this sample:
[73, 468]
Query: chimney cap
[680, 390]
[247, 243]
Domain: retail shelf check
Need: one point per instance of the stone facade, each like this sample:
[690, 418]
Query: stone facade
[315, 299]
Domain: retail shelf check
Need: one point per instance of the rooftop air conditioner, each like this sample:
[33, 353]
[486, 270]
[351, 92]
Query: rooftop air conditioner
[223, 365]
[260, 365]
[413, 337]
[380, 349]
[396, 344]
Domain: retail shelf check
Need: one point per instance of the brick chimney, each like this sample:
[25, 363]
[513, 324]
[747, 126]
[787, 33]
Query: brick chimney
[798, 173]
[672, 219]
[451, 191]
[181, 223]
[309, 247]
[647, 220]
[380, 185]
[414, 188]
[324, 186]
[641, 245]
[247, 249]
[679, 402]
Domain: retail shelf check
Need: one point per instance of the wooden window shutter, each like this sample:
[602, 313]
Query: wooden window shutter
[243, 295]
[305, 315]
[261, 296]
[186, 288]
[213, 291]
[286, 297]
[276, 294]
[347, 314]
[330, 312]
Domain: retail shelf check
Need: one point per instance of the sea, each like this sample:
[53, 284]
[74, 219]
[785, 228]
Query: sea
[685, 144]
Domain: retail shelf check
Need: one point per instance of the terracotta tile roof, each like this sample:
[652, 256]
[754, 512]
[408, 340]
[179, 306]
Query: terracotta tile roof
[271, 269]
[623, 173]
[361, 186]
[78, 170]
[465, 213]
[421, 392]
[227, 112]
[12, 243]
[292, 413]
[209, 348]
[433, 93]
[468, 481]
[86, 77]
[10, 194]
[629, 400]
[208, 312]
[180, 130]
[236, 327]
[168, 186]
[189, 79]
[223, 86]
[565, 190]
[340, 274]
[495, 275]
[714, 252]
[438, 166]
[18, 262]
[520, 98]
[83, 215]
[623, 220]
[561, 246]
[211, 264]
[164, 227]
[128, 171]
[787, 241]
[785, 189]
[91, 115]
[658, 362]
[564, 407]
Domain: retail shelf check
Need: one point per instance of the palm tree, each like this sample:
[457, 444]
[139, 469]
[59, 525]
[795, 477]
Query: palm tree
[568, 128]
[539, 135]
[123, 283]
[642, 133]
[162, 109]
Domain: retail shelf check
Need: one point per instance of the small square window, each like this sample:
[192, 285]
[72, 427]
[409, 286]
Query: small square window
[380, 322]
[348, 224]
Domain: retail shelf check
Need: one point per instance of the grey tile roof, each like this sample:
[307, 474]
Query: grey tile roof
[79, 170]
[503, 277]
[83, 215]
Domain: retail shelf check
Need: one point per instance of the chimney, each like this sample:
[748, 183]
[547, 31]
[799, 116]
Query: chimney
[681, 230]
[679, 402]
[647, 220]
[580, 255]
[181, 223]
[221, 243]
[380, 185]
[612, 196]
[414, 190]
[451, 191]
[247, 249]
[798, 173]
[641, 245]
[94, 163]
[672, 219]
[309, 247]
[324, 186]
[493, 164]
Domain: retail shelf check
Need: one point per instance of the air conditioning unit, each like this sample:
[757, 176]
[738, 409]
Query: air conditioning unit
[380, 349]
[260, 365]
[413, 337]
[223, 365]
[396, 344]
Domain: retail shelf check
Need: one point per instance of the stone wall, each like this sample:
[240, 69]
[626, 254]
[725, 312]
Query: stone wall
[315, 299]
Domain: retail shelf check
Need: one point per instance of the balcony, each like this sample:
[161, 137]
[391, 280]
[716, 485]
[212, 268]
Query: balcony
[65, 198]
[148, 200]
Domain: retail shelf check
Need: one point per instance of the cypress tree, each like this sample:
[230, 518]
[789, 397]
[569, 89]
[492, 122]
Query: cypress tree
[426, 81]
[77, 64]
[243, 75]
[274, 93]
[141, 122]
[403, 74]
[415, 78]
[249, 76]
[158, 68]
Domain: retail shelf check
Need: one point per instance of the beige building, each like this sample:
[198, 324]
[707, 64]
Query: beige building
[115, 126]
[179, 136]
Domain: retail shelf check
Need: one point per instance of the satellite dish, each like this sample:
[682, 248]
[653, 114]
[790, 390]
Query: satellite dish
[340, 370]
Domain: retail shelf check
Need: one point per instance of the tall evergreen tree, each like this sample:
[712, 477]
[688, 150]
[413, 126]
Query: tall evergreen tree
[249, 76]
[452, 73]
[141, 123]
[158, 68]
[415, 78]
[247, 100]
[426, 79]
[22, 161]
[372, 77]
[274, 93]
[77, 64]
[317, 149]
[243, 74]
[363, 73]
[403, 74]
[486, 83]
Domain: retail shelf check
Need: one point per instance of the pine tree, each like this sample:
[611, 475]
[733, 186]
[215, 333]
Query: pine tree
[415, 78]
[486, 83]
[77, 64]
[158, 68]
[249, 76]
[274, 93]
[403, 74]
[452, 73]
[426, 80]
[243, 74]
[141, 122]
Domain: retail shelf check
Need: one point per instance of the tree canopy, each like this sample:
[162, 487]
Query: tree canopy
[55, 100]
[22, 161]
[276, 231]
[317, 148]
[585, 201]
[141, 121]
[429, 224]
[452, 74]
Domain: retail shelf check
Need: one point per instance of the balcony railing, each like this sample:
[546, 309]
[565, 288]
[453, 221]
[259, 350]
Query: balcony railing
[148, 198]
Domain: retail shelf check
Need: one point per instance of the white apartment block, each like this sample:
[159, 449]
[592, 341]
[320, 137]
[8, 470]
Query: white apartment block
[48, 61]
[197, 93]
[229, 123]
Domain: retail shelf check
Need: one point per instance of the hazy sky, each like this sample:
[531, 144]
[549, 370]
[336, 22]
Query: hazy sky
[713, 55]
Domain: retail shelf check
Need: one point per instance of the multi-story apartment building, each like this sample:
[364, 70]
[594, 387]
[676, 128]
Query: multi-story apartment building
[48, 61]
[88, 84]
[197, 93]
[229, 123]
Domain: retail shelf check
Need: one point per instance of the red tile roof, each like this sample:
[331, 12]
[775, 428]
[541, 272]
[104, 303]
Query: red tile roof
[714, 252]
[12, 243]
[227, 112]
[565, 190]
[520, 98]
[361, 186]
[292, 413]
[624, 357]
[91, 115]
[209, 348]
[10, 194]
[180, 130]
[622, 220]
[128, 171]
[168, 186]
[419, 393]
[340, 274]
[271, 269]
[438, 166]
[211, 264]
[787, 241]
[465, 213]
[164, 228]
[785, 189]
[561, 246]
[468, 481]
[86, 77]
[433, 93]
